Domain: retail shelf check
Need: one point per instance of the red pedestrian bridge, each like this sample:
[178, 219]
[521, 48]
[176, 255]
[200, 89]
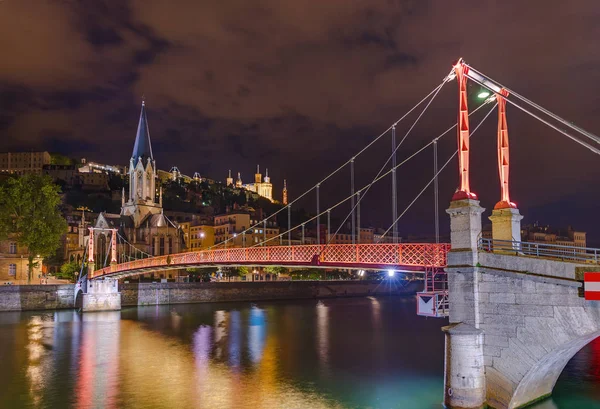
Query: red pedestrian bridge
[412, 257]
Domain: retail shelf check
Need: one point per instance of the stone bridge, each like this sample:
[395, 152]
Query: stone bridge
[515, 320]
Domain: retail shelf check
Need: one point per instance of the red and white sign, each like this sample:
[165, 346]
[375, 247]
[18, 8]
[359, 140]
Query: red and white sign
[591, 286]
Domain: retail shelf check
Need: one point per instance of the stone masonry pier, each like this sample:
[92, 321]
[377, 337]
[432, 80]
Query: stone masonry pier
[515, 321]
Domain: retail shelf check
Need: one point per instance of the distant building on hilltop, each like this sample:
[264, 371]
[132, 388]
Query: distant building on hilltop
[21, 163]
[261, 187]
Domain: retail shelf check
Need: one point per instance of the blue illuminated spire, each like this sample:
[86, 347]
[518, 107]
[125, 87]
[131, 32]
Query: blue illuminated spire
[142, 147]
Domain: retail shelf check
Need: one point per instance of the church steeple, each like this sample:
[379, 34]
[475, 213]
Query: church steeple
[142, 147]
[142, 175]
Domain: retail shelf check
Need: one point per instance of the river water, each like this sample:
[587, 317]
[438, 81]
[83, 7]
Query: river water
[344, 353]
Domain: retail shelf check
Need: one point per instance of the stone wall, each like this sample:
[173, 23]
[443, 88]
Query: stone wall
[36, 297]
[49, 297]
[182, 293]
[533, 321]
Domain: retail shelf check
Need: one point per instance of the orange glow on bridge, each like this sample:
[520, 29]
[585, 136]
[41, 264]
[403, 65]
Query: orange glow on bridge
[407, 256]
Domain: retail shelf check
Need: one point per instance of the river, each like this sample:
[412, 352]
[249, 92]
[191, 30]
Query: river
[340, 353]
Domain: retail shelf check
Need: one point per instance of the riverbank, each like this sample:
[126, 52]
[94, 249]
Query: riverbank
[53, 297]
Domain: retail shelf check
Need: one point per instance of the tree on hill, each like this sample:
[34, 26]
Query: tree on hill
[59, 159]
[29, 213]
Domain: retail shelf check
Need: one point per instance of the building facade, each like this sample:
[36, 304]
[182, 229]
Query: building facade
[232, 230]
[21, 163]
[14, 263]
[197, 236]
[549, 235]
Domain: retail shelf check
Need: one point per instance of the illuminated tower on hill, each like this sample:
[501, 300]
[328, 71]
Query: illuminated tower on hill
[285, 193]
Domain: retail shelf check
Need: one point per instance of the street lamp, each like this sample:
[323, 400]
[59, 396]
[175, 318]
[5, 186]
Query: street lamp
[483, 94]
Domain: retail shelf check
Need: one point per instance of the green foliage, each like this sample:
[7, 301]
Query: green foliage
[68, 271]
[276, 270]
[58, 159]
[29, 212]
[235, 271]
[308, 274]
[201, 274]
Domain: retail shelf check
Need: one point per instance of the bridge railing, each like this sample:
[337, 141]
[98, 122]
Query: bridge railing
[542, 250]
[337, 255]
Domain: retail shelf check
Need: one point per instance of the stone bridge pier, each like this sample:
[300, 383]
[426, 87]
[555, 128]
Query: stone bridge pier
[101, 295]
[515, 321]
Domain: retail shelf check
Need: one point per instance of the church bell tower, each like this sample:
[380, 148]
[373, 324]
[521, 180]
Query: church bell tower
[142, 175]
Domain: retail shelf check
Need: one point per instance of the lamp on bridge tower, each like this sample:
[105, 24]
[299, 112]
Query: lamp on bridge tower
[506, 219]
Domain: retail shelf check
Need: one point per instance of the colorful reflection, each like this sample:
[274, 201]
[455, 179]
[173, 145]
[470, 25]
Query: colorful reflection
[358, 353]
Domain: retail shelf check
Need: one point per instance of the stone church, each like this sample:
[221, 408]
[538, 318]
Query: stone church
[143, 229]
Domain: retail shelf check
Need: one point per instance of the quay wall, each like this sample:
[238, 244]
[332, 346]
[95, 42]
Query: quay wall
[36, 297]
[183, 293]
[51, 297]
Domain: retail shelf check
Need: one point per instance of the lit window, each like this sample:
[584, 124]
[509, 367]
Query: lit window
[12, 270]
[12, 248]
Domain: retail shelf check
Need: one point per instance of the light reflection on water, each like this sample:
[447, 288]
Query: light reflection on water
[345, 353]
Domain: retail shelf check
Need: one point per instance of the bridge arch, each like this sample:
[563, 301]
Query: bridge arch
[541, 378]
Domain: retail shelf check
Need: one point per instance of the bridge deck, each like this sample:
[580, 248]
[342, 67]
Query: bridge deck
[405, 256]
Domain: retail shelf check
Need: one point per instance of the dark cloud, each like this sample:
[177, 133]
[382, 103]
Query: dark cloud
[300, 87]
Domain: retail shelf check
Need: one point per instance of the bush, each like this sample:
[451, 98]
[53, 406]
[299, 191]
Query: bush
[68, 271]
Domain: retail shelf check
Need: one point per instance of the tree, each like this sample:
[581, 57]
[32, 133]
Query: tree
[69, 270]
[235, 271]
[29, 213]
[274, 270]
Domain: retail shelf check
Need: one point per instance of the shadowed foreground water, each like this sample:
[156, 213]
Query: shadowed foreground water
[345, 353]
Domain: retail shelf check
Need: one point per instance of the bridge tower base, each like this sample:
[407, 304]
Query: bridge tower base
[506, 225]
[464, 373]
[102, 295]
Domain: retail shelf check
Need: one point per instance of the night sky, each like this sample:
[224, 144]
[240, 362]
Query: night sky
[299, 87]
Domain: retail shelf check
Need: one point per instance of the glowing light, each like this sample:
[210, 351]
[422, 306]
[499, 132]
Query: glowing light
[202, 235]
[483, 95]
[361, 273]
[391, 273]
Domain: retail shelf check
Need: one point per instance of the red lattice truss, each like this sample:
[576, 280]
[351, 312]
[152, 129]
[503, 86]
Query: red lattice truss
[411, 257]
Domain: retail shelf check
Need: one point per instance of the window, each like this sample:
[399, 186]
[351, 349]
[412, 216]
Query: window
[162, 246]
[12, 248]
[12, 270]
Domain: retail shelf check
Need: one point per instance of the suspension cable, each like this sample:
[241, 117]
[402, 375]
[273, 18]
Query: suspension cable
[435, 176]
[374, 180]
[436, 205]
[393, 170]
[540, 108]
[559, 119]
[435, 90]
[132, 246]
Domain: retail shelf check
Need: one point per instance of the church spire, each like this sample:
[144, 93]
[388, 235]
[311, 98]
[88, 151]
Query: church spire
[285, 193]
[142, 147]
